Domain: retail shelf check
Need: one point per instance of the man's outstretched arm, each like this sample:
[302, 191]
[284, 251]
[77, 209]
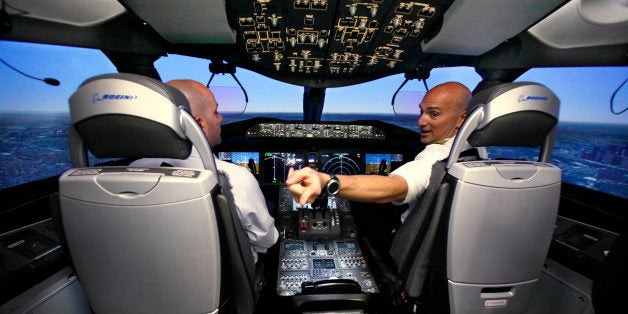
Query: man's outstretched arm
[306, 184]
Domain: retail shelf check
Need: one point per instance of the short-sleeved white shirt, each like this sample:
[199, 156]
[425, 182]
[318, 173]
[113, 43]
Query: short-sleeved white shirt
[417, 173]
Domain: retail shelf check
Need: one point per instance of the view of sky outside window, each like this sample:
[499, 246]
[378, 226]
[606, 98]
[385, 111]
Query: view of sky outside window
[591, 147]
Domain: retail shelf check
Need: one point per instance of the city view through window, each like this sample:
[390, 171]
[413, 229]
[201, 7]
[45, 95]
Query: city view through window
[591, 146]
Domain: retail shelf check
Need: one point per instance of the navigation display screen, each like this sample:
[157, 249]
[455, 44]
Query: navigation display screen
[248, 160]
[275, 165]
[382, 164]
[342, 163]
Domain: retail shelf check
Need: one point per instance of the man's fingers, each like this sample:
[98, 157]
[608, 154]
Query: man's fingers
[305, 197]
[302, 185]
[302, 194]
[297, 192]
[295, 176]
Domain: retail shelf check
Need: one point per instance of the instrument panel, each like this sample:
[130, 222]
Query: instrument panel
[268, 147]
[273, 167]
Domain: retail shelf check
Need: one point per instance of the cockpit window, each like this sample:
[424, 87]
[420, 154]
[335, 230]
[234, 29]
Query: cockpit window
[591, 145]
[374, 100]
[266, 97]
[34, 116]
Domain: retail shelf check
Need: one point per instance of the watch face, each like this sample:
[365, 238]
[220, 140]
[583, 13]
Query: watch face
[333, 187]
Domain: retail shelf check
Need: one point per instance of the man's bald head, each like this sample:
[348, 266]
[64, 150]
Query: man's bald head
[443, 110]
[452, 93]
[195, 93]
[204, 107]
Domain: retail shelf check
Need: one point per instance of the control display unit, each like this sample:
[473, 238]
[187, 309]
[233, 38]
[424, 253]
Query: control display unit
[303, 261]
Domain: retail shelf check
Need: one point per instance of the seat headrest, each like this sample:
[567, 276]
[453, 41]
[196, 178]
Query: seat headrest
[521, 114]
[129, 116]
[514, 114]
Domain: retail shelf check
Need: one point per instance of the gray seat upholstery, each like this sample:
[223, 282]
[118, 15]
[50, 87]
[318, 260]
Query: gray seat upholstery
[483, 237]
[148, 239]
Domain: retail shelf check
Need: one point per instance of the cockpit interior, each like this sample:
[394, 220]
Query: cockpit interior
[494, 231]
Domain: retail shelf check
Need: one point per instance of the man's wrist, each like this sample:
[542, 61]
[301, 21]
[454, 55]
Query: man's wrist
[324, 178]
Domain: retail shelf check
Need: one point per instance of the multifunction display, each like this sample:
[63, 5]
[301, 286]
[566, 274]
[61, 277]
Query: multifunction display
[382, 164]
[276, 165]
[248, 160]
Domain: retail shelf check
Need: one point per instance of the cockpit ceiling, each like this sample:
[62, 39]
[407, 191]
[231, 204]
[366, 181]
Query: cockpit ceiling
[71, 12]
[316, 39]
[325, 43]
[345, 40]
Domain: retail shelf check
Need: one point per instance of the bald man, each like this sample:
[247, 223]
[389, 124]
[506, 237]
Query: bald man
[443, 111]
[248, 198]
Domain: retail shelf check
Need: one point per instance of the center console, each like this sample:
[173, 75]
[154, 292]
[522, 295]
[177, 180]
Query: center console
[319, 252]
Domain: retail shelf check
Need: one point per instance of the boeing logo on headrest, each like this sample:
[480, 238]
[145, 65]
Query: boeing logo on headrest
[526, 98]
[96, 97]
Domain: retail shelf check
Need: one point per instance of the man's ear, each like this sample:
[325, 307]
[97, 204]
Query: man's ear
[201, 122]
[463, 116]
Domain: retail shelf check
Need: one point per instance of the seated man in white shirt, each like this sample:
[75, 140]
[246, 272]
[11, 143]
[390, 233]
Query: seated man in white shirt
[248, 198]
[443, 110]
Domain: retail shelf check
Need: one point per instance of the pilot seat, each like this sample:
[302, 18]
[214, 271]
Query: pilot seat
[477, 241]
[149, 240]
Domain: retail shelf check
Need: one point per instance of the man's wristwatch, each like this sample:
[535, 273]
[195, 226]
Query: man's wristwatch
[332, 186]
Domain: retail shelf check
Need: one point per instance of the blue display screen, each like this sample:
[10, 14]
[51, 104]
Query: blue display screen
[382, 164]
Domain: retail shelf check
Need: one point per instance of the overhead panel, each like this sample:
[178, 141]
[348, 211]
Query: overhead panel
[336, 38]
[307, 33]
[401, 33]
